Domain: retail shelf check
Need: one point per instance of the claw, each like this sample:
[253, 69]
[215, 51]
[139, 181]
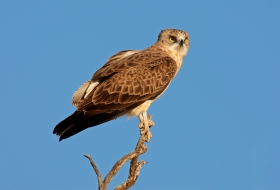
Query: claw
[145, 124]
[150, 122]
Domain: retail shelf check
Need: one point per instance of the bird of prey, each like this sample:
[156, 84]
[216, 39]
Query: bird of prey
[127, 84]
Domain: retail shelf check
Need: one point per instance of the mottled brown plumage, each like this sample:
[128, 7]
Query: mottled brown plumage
[127, 84]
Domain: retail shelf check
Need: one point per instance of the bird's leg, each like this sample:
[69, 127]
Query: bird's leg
[141, 124]
[145, 124]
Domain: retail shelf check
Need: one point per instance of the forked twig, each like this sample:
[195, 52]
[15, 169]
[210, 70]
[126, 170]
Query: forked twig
[134, 170]
[99, 177]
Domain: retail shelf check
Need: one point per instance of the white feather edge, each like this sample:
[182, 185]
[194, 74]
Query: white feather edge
[83, 91]
[91, 87]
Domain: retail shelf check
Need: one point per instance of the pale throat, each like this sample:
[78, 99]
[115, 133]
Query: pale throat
[176, 54]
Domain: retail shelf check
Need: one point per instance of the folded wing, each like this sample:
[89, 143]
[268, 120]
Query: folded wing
[116, 88]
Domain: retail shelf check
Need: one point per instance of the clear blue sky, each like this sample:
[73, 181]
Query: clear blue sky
[217, 125]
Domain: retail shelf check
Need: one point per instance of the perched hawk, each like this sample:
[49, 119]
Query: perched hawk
[127, 85]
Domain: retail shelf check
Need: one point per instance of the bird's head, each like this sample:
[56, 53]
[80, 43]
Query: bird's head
[175, 40]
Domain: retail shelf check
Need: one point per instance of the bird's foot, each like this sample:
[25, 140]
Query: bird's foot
[145, 125]
[150, 122]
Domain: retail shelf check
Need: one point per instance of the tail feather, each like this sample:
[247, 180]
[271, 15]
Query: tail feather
[78, 122]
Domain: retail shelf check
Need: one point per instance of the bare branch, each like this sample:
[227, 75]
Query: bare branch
[134, 169]
[140, 149]
[99, 177]
[133, 175]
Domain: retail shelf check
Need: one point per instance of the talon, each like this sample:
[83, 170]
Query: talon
[141, 127]
[145, 124]
[150, 122]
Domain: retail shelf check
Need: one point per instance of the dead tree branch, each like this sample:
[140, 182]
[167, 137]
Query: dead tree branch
[99, 177]
[134, 170]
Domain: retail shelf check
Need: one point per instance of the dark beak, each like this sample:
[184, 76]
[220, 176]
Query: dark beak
[181, 43]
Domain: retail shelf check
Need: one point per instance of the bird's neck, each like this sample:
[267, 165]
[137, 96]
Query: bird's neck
[158, 46]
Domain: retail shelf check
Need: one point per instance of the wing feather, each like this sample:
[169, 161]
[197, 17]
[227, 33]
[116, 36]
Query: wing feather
[129, 86]
[118, 56]
[87, 88]
[80, 93]
[122, 84]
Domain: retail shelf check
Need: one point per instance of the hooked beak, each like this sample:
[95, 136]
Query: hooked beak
[181, 42]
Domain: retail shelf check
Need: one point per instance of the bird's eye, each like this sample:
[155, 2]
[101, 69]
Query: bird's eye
[172, 39]
[186, 39]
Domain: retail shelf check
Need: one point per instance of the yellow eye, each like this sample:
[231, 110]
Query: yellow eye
[186, 39]
[172, 39]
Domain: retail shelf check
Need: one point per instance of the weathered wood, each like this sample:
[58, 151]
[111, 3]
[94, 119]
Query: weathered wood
[134, 169]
